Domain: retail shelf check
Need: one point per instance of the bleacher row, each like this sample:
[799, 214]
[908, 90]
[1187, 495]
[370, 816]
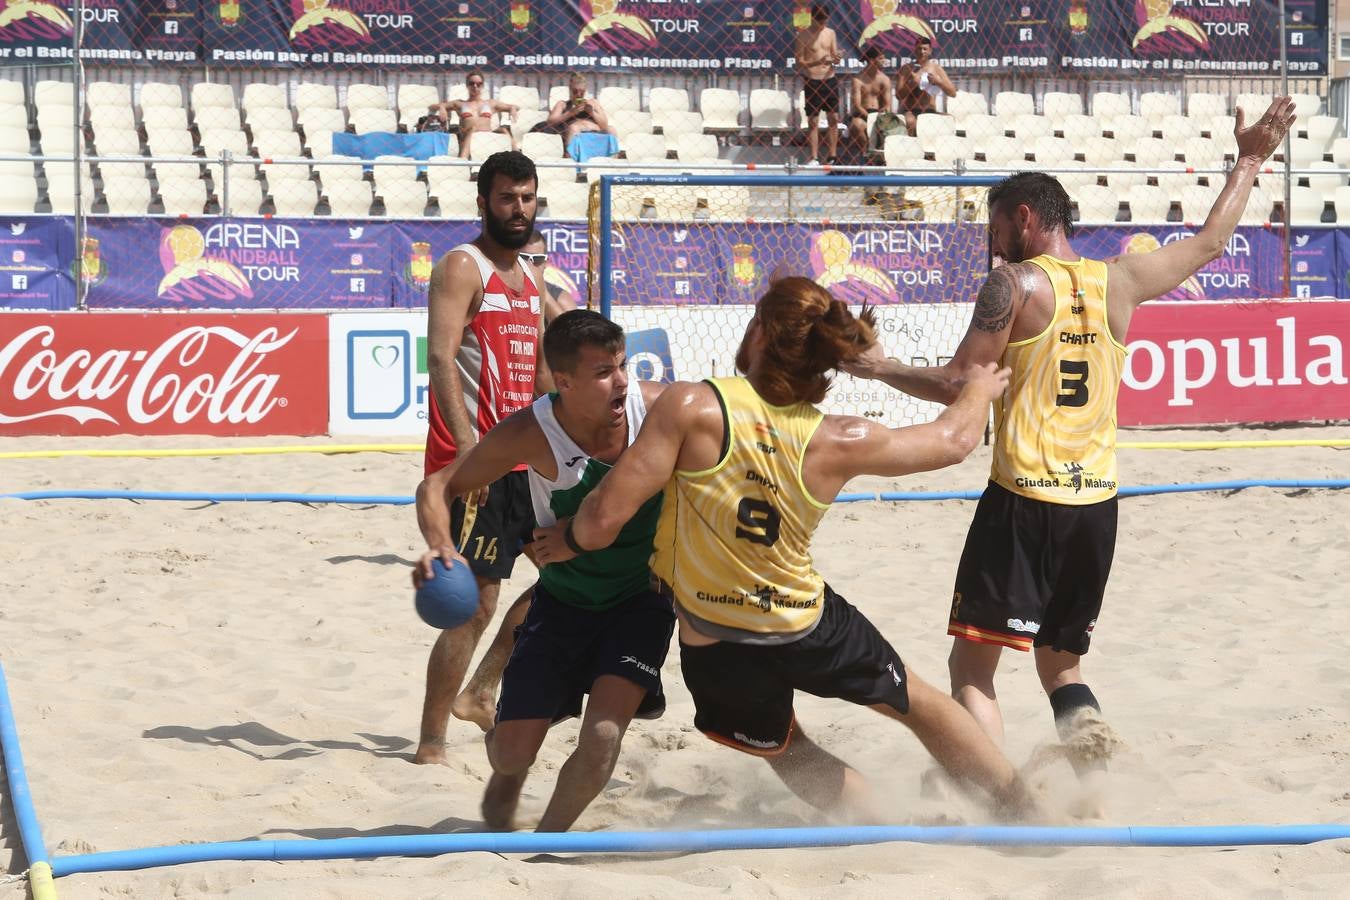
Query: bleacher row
[1129, 159]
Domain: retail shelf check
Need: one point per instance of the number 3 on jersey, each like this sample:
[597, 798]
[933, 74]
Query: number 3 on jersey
[758, 520]
[1073, 389]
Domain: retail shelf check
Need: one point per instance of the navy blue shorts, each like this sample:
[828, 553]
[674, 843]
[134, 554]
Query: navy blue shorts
[562, 649]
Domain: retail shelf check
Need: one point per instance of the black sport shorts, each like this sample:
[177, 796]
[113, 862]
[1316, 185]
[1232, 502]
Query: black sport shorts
[561, 650]
[491, 536]
[821, 95]
[743, 692]
[1033, 573]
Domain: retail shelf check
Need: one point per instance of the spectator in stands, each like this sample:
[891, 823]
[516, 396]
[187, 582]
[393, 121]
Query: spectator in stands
[817, 55]
[577, 114]
[870, 93]
[918, 84]
[475, 114]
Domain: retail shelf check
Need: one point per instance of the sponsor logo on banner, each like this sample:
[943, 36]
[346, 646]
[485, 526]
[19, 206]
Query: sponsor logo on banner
[649, 356]
[1210, 363]
[519, 16]
[34, 20]
[321, 23]
[190, 275]
[1166, 31]
[379, 384]
[378, 373]
[149, 374]
[834, 267]
[607, 28]
[93, 270]
[891, 29]
[227, 11]
[420, 264]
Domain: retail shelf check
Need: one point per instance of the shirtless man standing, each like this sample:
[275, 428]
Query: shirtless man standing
[871, 92]
[817, 55]
[917, 84]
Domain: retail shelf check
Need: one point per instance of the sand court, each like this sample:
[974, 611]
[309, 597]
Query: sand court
[187, 672]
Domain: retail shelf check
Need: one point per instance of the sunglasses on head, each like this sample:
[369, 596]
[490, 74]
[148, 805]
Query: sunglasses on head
[535, 259]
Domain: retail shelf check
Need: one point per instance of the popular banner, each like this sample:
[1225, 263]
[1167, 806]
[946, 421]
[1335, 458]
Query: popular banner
[1215, 363]
[1134, 37]
[36, 262]
[151, 373]
[236, 264]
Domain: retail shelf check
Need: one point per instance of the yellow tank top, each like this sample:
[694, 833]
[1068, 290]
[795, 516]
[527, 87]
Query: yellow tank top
[733, 542]
[1055, 427]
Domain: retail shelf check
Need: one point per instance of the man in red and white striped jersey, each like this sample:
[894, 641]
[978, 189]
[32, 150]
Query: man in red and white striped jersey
[484, 323]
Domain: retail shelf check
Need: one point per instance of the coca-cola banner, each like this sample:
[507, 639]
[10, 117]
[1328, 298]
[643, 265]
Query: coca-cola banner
[237, 263]
[1130, 37]
[1205, 363]
[157, 373]
[37, 262]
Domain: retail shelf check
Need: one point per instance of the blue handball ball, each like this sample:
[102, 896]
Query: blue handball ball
[450, 599]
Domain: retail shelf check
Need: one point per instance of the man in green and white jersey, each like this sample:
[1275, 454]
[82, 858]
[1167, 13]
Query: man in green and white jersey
[594, 626]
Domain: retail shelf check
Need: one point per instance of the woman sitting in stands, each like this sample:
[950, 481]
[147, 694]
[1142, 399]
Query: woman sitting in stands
[475, 114]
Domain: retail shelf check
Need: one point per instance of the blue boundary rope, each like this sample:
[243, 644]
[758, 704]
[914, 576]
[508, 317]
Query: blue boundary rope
[30, 833]
[386, 500]
[702, 841]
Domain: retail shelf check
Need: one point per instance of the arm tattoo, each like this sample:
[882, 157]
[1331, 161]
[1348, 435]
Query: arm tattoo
[994, 305]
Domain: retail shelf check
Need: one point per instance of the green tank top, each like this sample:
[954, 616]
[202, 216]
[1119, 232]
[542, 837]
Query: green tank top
[601, 578]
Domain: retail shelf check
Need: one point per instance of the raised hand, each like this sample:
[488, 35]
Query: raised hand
[1266, 134]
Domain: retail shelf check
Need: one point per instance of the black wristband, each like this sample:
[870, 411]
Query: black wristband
[571, 540]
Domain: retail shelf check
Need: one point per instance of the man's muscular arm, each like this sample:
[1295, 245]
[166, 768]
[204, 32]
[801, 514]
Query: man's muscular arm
[1001, 297]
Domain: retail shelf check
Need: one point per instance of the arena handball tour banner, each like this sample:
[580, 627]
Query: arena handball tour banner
[241, 264]
[1129, 37]
[236, 264]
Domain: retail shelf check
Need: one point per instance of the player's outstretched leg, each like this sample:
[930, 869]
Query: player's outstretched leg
[961, 747]
[823, 780]
[445, 672]
[477, 703]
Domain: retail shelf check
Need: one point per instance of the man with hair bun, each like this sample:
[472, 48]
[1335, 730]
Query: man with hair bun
[749, 466]
[1039, 551]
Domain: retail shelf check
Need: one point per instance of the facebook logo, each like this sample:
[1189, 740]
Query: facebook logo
[379, 376]
[18, 282]
[649, 356]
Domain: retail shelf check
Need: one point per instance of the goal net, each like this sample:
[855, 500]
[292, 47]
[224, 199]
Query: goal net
[679, 261]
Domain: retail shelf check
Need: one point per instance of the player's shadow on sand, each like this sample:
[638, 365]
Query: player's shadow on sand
[383, 559]
[247, 735]
[452, 825]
